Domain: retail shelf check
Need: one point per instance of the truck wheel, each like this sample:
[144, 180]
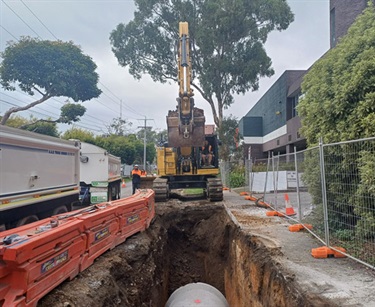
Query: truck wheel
[113, 192]
[27, 220]
[118, 188]
[59, 210]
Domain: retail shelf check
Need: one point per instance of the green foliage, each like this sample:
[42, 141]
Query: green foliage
[128, 147]
[49, 68]
[43, 128]
[119, 127]
[259, 167]
[71, 112]
[339, 105]
[311, 175]
[230, 138]
[237, 177]
[365, 192]
[79, 134]
[47, 127]
[152, 136]
[227, 37]
[119, 146]
[344, 235]
[339, 101]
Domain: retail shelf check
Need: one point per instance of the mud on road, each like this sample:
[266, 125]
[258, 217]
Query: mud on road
[191, 241]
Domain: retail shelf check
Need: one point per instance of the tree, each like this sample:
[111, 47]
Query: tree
[47, 127]
[339, 89]
[119, 126]
[227, 43]
[120, 146]
[50, 69]
[339, 105]
[154, 137]
[79, 134]
[230, 138]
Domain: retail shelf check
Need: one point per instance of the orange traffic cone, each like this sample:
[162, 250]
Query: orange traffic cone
[123, 183]
[288, 207]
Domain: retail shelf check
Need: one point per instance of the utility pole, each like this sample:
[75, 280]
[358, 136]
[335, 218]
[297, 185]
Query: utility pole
[144, 140]
[121, 109]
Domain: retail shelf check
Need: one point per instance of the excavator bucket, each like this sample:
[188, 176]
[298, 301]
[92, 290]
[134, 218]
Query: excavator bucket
[192, 134]
[147, 182]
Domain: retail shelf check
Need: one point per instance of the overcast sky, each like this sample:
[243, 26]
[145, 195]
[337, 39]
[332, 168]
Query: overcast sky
[89, 23]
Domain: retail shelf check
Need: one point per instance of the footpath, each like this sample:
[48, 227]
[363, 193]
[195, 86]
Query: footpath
[342, 280]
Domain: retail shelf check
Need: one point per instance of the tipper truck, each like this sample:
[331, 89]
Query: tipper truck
[41, 176]
[100, 177]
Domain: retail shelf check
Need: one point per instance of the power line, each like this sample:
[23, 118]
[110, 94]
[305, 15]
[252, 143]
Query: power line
[21, 19]
[99, 129]
[130, 109]
[40, 113]
[39, 20]
[119, 103]
[10, 33]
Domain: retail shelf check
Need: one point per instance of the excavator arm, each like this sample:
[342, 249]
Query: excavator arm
[186, 123]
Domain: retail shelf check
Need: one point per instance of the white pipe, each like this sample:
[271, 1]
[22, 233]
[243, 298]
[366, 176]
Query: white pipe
[197, 294]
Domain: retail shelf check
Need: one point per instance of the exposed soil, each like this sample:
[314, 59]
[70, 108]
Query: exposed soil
[221, 244]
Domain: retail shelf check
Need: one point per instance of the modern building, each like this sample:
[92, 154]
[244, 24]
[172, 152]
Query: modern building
[272, 125]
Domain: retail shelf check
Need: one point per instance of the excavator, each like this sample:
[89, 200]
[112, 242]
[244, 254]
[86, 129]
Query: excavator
[180, 161]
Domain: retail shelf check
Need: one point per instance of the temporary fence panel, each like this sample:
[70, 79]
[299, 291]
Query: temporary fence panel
[349, 169]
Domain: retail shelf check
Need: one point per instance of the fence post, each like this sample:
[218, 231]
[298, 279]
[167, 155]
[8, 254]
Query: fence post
[265, 181]
[273, 177]
[297, 189]
[324, 192]
[277, 178]
[252, 175]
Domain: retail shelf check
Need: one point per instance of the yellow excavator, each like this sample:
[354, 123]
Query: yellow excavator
[190, 158]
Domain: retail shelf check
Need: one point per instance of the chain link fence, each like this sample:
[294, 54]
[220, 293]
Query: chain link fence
[331, 187]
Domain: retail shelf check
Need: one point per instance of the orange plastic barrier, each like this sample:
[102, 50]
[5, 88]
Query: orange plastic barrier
[260, 203]
[274, 213]
[326, 252]
[253, 198]
[299, 227]
[37, 257]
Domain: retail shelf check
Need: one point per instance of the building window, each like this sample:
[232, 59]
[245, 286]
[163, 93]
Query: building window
[294, 105]
[333, 27]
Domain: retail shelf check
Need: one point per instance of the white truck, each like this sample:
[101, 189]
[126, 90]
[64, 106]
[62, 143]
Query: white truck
[100, 177]
[39, 176]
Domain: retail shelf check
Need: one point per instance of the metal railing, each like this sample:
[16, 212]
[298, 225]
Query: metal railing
[330, 186]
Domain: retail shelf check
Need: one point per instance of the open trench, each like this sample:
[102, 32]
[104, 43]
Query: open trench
[186, 243]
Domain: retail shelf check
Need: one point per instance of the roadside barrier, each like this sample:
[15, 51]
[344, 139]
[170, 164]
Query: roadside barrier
[37, 257]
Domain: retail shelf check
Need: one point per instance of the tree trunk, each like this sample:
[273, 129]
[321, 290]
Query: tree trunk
[8, 113]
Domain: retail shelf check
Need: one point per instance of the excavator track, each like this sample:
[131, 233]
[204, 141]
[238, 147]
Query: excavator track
[214, 189]
[161, 189]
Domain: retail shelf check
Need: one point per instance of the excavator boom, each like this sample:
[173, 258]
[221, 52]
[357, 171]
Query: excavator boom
[186, 123]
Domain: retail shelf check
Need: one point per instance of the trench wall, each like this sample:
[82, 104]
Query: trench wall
[184, 244]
